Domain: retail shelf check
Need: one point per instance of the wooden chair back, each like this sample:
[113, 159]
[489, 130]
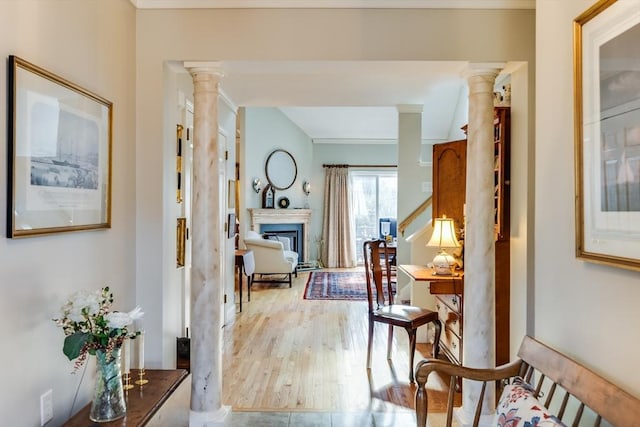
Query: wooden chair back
[569, 390]
[378, 274]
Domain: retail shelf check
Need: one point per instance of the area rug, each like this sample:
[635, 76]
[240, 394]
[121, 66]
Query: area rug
[336, 285]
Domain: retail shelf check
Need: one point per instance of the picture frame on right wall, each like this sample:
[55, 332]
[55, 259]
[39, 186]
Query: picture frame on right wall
[607, 133]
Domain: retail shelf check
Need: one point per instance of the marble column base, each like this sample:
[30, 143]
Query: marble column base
[219, 418]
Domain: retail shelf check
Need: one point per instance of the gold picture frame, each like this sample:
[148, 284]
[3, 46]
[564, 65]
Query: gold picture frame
[607, 134]
[59, 154]
[181, 241]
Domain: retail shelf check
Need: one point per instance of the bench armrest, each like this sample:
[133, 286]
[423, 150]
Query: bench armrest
[427, 366]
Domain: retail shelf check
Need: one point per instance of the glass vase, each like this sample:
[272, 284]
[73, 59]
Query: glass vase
[108, 396]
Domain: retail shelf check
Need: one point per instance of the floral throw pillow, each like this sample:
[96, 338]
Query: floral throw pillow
[518, 407]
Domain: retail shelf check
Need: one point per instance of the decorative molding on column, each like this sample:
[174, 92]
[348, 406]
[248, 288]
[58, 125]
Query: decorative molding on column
[215, 68]
[209, 67]
[483, 68]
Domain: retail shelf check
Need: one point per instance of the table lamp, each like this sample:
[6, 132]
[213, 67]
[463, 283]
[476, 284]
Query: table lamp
[443, 237]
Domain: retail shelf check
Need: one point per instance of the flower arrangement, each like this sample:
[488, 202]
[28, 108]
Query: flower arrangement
[90, 325]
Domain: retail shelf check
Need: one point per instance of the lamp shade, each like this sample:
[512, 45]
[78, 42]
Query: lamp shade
[444, 234]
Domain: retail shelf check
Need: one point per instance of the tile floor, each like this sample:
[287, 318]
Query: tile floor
[323, 419]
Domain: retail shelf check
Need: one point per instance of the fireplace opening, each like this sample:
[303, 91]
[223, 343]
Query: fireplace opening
[291, 231]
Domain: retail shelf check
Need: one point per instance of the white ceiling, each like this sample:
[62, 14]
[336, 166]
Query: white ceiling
[349, 101]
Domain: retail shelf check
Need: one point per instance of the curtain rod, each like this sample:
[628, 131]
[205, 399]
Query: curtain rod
[357, 166]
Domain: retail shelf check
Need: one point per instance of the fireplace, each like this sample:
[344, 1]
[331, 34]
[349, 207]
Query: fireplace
[285, 220]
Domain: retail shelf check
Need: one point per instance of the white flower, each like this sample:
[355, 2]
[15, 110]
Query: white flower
[83, 304]
[119, 320]
[136, 313]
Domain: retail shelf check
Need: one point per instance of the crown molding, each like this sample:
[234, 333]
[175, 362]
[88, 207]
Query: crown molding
[334, 4]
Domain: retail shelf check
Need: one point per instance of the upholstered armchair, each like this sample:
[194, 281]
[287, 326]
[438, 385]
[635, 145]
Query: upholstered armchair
[271, 257]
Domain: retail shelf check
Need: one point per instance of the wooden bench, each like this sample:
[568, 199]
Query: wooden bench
[568, 390]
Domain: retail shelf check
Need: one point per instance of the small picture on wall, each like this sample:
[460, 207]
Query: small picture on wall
[231, 226]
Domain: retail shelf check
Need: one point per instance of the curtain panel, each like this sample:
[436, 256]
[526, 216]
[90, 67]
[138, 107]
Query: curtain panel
[339, 249]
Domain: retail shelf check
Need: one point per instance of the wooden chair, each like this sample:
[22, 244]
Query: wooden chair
[382, 308]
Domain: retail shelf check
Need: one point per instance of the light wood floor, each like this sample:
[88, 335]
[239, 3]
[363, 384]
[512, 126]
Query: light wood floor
[287, 353]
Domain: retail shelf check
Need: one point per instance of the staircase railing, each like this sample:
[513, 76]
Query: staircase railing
[415, 214]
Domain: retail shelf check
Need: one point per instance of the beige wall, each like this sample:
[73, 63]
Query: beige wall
[588, 311]
[90, 44]
[274, 34]
[93, 44]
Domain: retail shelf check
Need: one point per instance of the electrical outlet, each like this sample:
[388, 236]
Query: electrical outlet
[46, 407]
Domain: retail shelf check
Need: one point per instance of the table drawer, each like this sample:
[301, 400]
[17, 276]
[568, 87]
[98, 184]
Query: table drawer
[450, 319]
[454, 302]
[450, 344]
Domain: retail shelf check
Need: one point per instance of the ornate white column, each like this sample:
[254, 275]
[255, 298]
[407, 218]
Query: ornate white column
[207, 252]
[479, 249]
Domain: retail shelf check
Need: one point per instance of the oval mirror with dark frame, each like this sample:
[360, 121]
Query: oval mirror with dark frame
[281, 169]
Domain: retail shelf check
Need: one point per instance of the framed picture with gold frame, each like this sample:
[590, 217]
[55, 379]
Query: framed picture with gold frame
[607, 133]
[181, 241]
[59, 146]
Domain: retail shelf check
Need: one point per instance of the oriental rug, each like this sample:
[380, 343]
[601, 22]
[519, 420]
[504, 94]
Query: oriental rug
[336, 285]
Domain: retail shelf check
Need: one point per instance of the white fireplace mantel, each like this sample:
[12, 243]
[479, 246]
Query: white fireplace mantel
[283, 216]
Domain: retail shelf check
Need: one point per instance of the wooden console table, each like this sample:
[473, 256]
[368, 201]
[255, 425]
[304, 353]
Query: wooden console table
[143, 403]
[448, 291]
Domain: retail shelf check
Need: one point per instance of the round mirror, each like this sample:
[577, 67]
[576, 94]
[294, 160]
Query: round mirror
[281, 169]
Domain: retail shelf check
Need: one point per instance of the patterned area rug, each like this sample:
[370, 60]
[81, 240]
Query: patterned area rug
[340, 285]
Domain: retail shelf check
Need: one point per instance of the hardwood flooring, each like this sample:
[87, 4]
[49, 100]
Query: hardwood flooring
[284, 353]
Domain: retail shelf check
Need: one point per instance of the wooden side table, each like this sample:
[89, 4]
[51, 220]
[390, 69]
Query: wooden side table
[143, 403]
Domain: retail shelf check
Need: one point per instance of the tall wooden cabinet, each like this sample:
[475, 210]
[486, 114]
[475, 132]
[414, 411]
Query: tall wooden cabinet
[449, 188]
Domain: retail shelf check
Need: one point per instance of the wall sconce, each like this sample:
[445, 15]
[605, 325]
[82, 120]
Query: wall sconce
[443, 237]
[306, 187]
[257, 185]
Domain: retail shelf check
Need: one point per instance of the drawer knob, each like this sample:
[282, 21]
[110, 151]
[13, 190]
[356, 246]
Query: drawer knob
[454, 301]
[437, 306]
[453, 345]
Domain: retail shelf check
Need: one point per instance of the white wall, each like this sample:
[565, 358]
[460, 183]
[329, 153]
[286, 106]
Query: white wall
[90, 44]
[586, 310]
[267, 129]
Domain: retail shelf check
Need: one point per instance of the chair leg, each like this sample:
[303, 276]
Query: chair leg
[412, 351]
[249, 282]
[289, 279]
[390, 342]
[436, 338]
[370, 343]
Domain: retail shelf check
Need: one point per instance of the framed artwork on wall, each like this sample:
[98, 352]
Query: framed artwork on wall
[181, 241]
[607, 133]
[59, 162]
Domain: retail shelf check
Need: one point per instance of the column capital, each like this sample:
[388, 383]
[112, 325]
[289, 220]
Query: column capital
[204, 67]
[483, 69]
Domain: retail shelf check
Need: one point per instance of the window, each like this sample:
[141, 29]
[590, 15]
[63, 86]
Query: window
[374, 196]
